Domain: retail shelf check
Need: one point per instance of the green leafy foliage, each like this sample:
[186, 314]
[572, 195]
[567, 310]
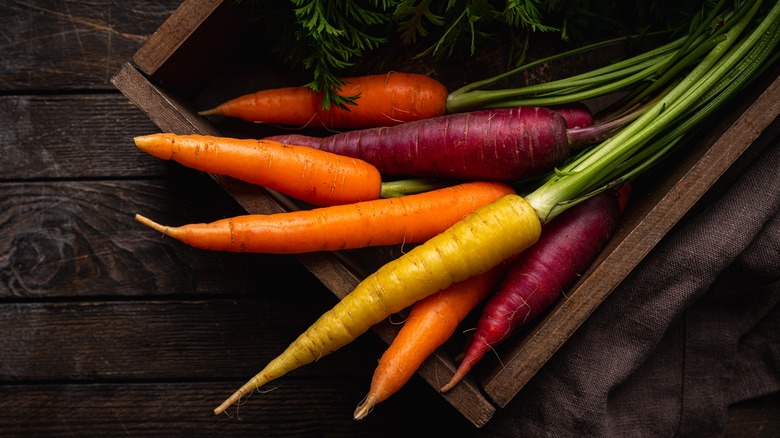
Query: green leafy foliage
[337, 31]
[326, 37]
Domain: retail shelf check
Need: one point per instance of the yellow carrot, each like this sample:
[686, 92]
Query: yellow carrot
[473, 246]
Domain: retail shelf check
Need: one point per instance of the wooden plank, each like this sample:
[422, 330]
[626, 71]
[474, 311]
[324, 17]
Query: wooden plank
[163, 109]
[759, 417]
[192, 40]
[171, 339]
[73, 136]
[59, 45]
[311, 408]
[78, 239]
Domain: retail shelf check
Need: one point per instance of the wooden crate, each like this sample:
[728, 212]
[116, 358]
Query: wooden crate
[187, 65]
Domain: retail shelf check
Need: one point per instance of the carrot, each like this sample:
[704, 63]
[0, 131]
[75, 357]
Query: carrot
[501, 144]
[406, 219]
[317, 177]
[577, 114]
[535, 279]
[382, 100]
[513, 223]
[472, 246]
[431, 322]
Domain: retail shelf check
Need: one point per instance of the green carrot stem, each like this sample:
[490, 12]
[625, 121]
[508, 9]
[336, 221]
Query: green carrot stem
[402, 187]
[577, 90]
[673, 65]
[548, 199]
[489, 81]
[469, 97]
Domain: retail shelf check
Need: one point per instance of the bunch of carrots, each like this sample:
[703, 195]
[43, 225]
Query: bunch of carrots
[506, 195]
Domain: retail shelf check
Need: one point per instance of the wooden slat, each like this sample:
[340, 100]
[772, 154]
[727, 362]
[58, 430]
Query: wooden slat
[163, 109]
[78, 239]
[169, 339]
[57, 45]
[755, 418]
[73, 136]
[164, 409]
[190, 39]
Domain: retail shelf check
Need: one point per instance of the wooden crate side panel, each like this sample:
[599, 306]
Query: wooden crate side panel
[164, 109]
[186, 48]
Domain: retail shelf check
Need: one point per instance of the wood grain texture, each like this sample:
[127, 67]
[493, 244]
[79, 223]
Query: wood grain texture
[71, 239]
[134, 339]
[183, 408]
[73, 136]
[756, 418]
[190, 40]
[73, 45]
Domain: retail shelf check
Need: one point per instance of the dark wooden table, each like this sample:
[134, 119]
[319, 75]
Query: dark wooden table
[108, 328]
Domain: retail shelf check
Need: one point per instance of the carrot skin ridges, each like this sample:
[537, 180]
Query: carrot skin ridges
[317, 177]
[535, 278]
[430, 324]
[577, 114]
[498, 144]
[383, 100]
[406, 219]
[472, 246]
[299, 104]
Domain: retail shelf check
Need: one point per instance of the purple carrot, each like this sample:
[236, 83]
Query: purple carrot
[577, 114]
[496, 144]
[534, 280]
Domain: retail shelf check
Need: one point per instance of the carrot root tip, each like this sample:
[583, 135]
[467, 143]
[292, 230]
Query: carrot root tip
[235, 397]
[210, 112]
[151, 224]
[364, 408]
[455, 379]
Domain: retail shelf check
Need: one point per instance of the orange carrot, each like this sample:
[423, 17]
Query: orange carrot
[317, 177]
[431, 322]
[382, 100]
[406, 219]
[472, 246]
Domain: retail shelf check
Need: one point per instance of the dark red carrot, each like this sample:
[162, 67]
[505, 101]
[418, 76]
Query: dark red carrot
[534, 280]
[380, 100]
[497, 144]
[577, 114]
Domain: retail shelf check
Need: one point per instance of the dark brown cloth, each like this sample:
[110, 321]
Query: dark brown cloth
[694, 328]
